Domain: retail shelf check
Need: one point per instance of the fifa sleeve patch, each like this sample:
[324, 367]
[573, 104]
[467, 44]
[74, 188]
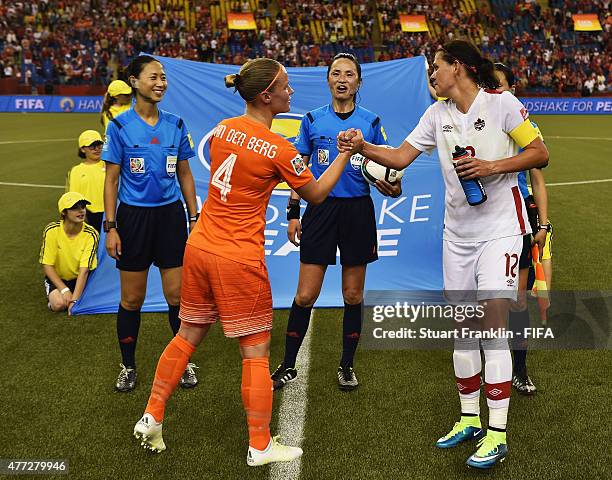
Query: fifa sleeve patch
[524, 134]
[537, 129]
[298, 164]
[524, 113]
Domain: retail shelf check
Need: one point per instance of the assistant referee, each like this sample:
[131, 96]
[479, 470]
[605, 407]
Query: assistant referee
[147, 148]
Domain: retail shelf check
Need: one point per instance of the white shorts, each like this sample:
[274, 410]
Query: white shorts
[487, 269]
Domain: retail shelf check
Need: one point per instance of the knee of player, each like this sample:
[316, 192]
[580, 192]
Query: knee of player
[56, 305]
[519, 343]
[305, 299]
[352, 296]
[132, 302]
[173, 298]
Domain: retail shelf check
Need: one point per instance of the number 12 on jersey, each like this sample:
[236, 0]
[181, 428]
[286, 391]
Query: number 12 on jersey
[225, 171]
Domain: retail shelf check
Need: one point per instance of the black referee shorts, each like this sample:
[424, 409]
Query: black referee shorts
[525, 260]
[345, 223]
[151, 235]
[50, 286]
[94, 219]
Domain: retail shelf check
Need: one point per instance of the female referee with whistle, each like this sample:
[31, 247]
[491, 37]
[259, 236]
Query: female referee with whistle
[345, 221]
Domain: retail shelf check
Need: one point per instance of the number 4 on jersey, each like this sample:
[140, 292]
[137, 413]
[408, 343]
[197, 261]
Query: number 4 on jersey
[225, 171]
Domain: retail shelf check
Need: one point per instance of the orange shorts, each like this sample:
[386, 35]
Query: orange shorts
[218, 288]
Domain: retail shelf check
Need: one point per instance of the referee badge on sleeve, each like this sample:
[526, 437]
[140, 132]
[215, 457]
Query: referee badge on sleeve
[137, 165]
[171, 165]
[298, 165]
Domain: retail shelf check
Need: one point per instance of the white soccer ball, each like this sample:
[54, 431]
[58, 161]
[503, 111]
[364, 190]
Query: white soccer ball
[373, 171]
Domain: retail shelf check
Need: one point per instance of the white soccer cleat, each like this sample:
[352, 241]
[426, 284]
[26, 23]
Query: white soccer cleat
[149, 432]
[274, 452]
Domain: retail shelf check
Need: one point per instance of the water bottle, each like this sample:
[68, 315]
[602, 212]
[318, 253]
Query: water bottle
[473, 189]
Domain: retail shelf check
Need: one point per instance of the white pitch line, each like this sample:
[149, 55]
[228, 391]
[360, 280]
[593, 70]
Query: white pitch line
[11, 142]
[292, 413]
[584, 182]
[11, 184]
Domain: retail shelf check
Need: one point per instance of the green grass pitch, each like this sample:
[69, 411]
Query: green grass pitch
[58, 372]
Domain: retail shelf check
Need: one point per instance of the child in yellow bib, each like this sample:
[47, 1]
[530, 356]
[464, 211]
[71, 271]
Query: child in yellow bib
[68, 253]
[87, 177]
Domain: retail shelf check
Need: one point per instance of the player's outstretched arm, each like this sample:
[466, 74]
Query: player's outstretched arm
[396, 158]
[316, 191]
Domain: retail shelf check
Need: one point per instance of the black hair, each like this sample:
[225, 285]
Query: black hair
[137, 65]
[81, 154]
[347, 56]
[478, 68]
[507, 71]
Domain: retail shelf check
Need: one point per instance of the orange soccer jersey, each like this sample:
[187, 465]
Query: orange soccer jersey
[247, 162]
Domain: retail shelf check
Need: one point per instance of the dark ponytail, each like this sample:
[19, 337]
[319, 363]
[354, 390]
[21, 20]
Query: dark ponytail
[507, 72]
[479, 69]
[106, 104]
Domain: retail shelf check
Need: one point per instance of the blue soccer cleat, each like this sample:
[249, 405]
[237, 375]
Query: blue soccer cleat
[491, 450]
[463, 431]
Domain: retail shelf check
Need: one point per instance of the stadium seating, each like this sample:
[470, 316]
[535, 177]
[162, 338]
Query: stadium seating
[73, 42]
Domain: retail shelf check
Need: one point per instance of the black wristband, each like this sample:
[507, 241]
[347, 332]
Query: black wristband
[108, 225]
[293, 209]
[194, 218]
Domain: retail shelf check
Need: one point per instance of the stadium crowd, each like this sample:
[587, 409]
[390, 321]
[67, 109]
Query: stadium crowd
[85, 42]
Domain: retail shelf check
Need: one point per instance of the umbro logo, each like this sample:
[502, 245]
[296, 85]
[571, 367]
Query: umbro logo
[479, 124]
[447, 128]
[495, 392]
[510, 282]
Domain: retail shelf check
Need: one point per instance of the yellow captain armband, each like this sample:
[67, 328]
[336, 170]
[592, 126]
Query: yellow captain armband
[537, 129]
[524, 134]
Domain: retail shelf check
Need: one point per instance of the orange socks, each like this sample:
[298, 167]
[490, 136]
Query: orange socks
[257, 400]
[170, 368]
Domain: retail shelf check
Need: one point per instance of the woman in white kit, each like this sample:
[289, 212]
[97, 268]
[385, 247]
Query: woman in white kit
[483, 238]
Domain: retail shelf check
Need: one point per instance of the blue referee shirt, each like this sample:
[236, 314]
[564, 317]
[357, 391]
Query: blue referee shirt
[148, 157]
[317, 138]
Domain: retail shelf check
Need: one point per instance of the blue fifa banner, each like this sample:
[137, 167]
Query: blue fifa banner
[409, 227]
[50, 104]
[78, 104]
[568, 106]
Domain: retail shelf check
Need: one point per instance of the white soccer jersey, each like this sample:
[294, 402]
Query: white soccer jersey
[487, 128]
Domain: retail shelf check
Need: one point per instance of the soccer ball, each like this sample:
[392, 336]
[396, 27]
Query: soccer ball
[373, 171]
